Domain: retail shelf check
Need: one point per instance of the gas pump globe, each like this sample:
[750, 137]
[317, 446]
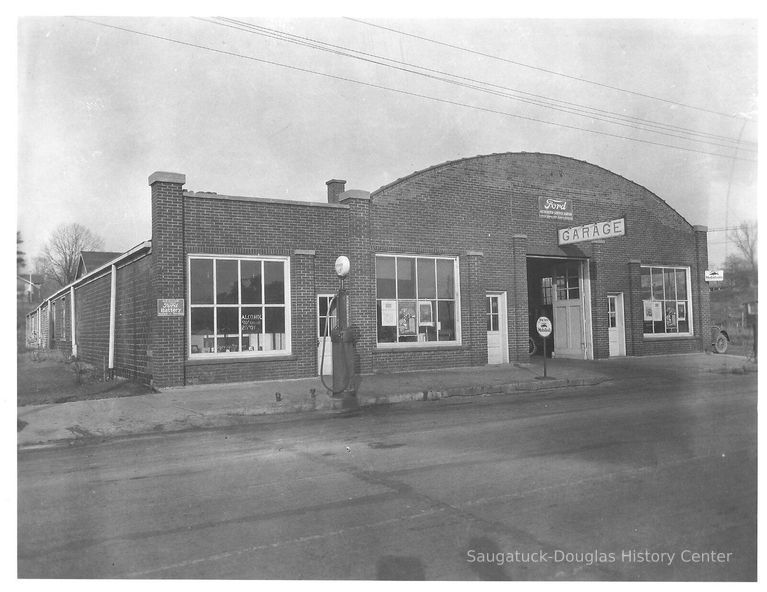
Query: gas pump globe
[342, 266]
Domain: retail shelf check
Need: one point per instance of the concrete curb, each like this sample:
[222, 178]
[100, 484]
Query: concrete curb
[322, 404]
[473, 391]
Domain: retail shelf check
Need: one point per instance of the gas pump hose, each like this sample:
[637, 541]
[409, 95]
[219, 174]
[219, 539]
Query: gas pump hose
[322, 358]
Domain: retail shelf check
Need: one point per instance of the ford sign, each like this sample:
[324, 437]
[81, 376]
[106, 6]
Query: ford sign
[556, 208]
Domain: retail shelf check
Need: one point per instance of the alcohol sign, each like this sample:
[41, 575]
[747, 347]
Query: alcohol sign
[543, 326]
[594, 231]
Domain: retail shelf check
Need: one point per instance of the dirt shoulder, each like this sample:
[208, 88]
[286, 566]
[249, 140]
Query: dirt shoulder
[46, 378]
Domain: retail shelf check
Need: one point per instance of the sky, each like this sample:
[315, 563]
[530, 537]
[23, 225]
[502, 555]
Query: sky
[105, 102]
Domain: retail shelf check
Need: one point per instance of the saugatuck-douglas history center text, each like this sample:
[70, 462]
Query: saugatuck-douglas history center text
[596, 556]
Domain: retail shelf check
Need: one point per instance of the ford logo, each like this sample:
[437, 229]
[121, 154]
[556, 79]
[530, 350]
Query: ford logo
[555, 204]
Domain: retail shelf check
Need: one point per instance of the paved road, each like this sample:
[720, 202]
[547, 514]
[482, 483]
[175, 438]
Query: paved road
[589, 483]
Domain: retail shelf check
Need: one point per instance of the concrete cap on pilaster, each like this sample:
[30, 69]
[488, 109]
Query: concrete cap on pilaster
[353, 194]
[163, 177]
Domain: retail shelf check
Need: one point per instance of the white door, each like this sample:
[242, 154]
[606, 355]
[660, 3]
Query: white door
[569, 341]
[497, 329]
[325, 323]
[615, 325]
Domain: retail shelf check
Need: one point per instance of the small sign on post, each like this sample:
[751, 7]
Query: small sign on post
[543, 326]
[714, 275]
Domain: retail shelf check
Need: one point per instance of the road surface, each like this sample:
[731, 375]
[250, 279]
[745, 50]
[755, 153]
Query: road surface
[637, 479]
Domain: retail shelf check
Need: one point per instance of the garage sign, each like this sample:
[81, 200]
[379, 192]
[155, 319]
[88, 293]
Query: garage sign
[595, 231]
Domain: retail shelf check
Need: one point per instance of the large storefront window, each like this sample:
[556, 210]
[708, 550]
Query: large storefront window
[238, 306]
[666, 301]
[417, 299]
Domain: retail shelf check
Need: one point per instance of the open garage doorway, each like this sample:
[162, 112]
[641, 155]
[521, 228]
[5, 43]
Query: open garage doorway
[559, 289]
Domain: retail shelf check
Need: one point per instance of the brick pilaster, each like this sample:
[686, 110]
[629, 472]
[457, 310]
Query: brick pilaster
[518, 314]
[361, 282]
[599, 322]
[167, 343]
[634, 310]
[474, 323]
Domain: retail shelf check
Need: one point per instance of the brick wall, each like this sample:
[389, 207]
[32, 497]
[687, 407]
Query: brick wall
[490, 204]
[92, 321]
[62, 325]
[132, 313]
[310, 235]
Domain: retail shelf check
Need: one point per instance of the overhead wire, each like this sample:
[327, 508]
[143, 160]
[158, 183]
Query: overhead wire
[546, 70]
[401, 91]
[542, 100]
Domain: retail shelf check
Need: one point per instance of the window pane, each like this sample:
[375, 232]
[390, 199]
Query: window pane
[669, 315]
[406, 277]
[275, 320]
[228, 321]
[251, 320]
[201, 281]
[572, 277]
[426, 280]
[681, 284]
[251, 282]
[446, 320]
[202, 330]
[668, 283]
[274, 282]
[657, 284]
[226, 281]
[445, 271]
[229, 343]
[646, 292]
[385, 284]
[385, 334]
[407, 320]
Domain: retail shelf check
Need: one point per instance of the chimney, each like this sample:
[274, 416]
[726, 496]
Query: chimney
[335, 188]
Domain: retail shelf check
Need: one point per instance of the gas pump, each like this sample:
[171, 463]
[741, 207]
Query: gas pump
[342, 338]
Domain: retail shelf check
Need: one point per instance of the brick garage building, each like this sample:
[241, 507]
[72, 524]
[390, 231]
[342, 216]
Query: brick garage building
[450, 266]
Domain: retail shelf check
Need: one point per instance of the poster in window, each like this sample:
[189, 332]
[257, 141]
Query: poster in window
[671, 317]
[681, 311]
[425, 314]
[388, 313]
[657, 311]
[647, 306]
[407, 319]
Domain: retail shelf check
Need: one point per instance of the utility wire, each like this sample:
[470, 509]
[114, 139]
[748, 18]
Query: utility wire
[400, 91]
[578, 78]
[614, 118]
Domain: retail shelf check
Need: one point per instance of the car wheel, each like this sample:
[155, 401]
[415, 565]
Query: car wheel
[721, 343]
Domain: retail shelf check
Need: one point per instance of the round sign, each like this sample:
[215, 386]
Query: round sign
[543, 325]
[342, 266]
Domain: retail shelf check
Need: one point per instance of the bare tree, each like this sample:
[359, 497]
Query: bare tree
[20, 255]
[745, 239]
[61, 254]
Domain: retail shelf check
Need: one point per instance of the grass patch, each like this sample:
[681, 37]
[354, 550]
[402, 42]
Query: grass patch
[46, 377]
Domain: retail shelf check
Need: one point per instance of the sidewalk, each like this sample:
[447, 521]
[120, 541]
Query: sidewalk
[206, 406]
